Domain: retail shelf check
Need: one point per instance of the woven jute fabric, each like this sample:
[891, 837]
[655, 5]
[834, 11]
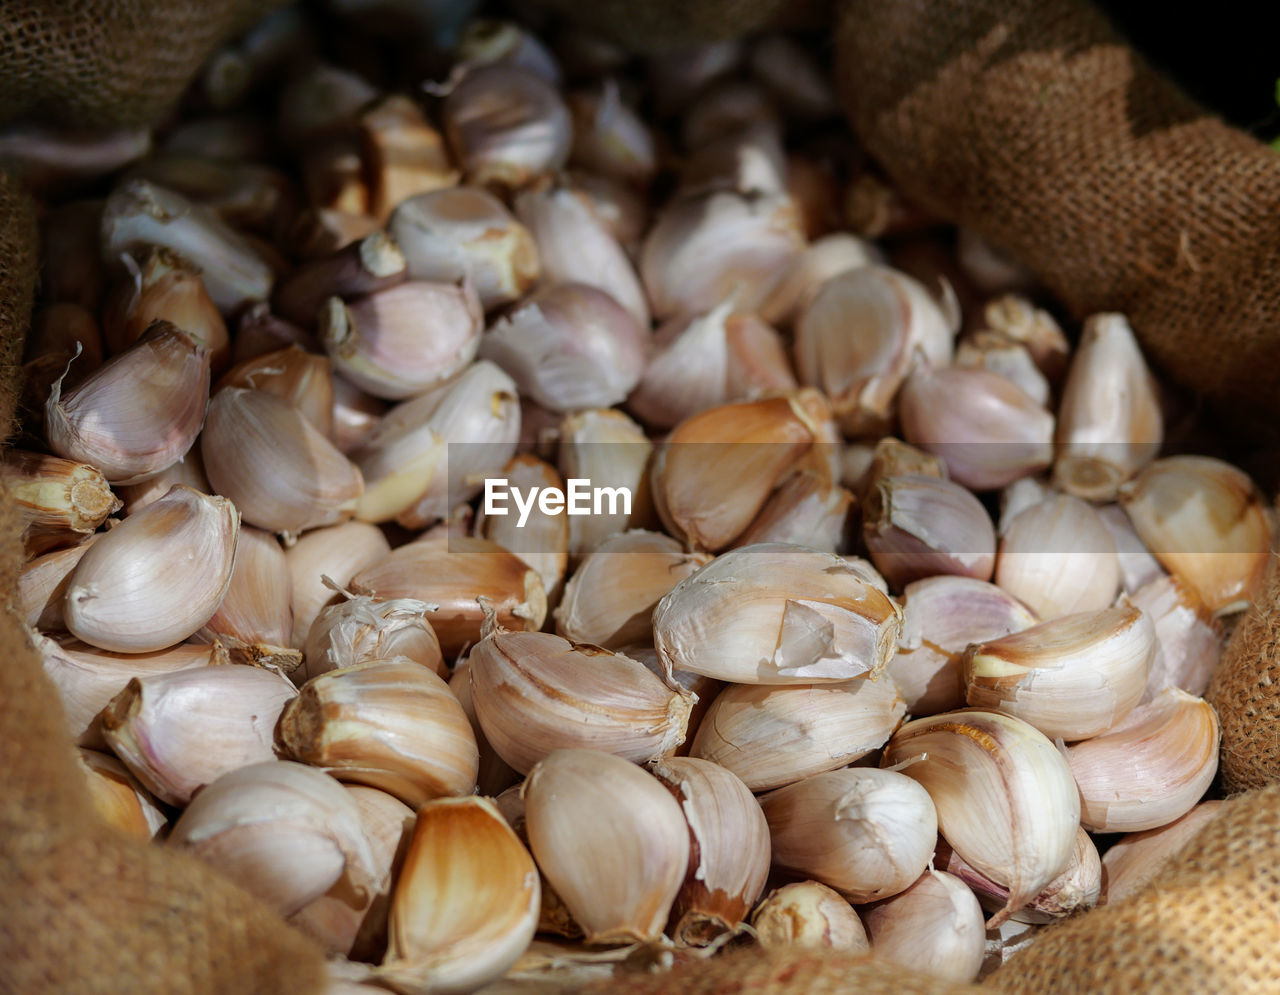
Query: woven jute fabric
[1032, 122]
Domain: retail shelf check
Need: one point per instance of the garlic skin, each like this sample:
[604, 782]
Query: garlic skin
[117, 798]
[1149, 769]
[866, 832]
[466, 904]
[774, 736]
[569, 346]
[177, 732]
[1072, 677]
[137, 413]
[810, 915]
[606, 447]
[823, 259]
[619, 870]
[282, 831]
[338, 552]
[1206, 522]
[1058, 558]
[302, 378]
[1135, 859]
[390, 724]
[1005, 797]
[934, 926]
[790, 616]
[729, 848]
[534, 692]
[254, 620]
[1189, 640]
[134, 590]
[360, 630]
[609, 137]
[1109, 420]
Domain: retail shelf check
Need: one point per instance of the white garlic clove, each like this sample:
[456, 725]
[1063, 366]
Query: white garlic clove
[821, 260]
[41, 588]
[360, 630]
[996, 353]
[606, 447]
[609, 137]
[255, 618]
[1137, 566]
[1017, 318]
[808, 509]
[302, 378]
[934, 926]
[1136, 858]
[542, 541]
[1189, 640]
[337, 552]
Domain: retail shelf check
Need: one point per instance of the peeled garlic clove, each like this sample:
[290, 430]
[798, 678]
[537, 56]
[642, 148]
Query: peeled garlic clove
[284, 476]
[776, 614]
[168, 288]
[934, 926]
[337, 552]
[773, 736]
[569, 346]
[810, 915]
[858, 337]
[404, 340]
[495, 775]
[986, 428]
[255, 618]
[1149, 769]
[179, 731]
[1071, 677]
[507, 127]
[466, 904]
[1188, 639]
[821, 260]
[1135, 859]
[1005, 796]
[390, 724]
[60, 501]
[302, 378]
[1137, 566]
[284, 832]
[360, 630]
[403, 154]
[543, 540]
[465, 577]
[134, 591]
[729, 848]
[1017, 318]
[1109, 421]
[868, 833]
[606, 447]
[917, 527]
[609, 137]
[532, 689]
[611, 840]
[941, 616]
[808, 509]
[996, 353]
[610, 598]
[462, 233]
[1058, 558]
[720, 246]
[139, 412]
[117, 798]
[1205, 521]
[41, 588]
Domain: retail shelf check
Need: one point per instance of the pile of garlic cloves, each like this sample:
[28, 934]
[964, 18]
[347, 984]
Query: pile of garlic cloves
[907, 609]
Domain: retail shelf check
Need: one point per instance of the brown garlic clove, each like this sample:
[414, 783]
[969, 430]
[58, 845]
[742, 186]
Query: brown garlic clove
[543, 540]
[117, 798]
[808, 914]
[302, 378]
[403, 154]
[366, 266]
[60, 501]
[169, 288]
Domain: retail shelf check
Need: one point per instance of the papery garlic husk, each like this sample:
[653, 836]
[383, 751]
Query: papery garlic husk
[575, 246]
[986, 428]
[494, 774]
[1135, 859]
[355, 415]
[338, 552]
[1149, 769]
[729, 848]
[466, 904]
[403, 154]
[487, 41]
[283, 475]
[749, 161]
[117, 798]
[1137, 566]
[935, 926]
[609, 137]
[41, 587]
[1206, 522]
[807, 509]
[774, 736]
[1072, 677]
[866, 832]
[569, 346]
[917, 527]
[535, 692]
[808, 914]
[464, 576]
[996, 353]
[373, 263]
[618, 206]
[466, 234]
[507, 127]
[724, 107]
[776, 614]
[87, 678]
[1189, 640]
[720, 246]
[169, 288]
[302, 378]
[610, 598]
[135, 590]
[1109, 420]
[390, 724]
[611, 840]
[1017, 318]
[406, 462]
[543, 540]
[941, 616]
[404, 340]
[140, 214]
[360, 630]
[821, 260]
[282, 831]
[858, 337]
[188, 471]
[60, 501]
[1006, 800]
[606, 447]
[137, 413]
[1058, 558]
[179, 731]
[716, 470]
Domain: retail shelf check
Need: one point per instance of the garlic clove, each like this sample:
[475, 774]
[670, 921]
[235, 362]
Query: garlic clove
[809, 915]
[934, 926]
[1017, 497]
[41, 587]
[360, 630]
[793, 76]
[302, 378]
[488, 41]
[822, 260]
[702, 689]
[1017, 318]
[60, 501]
[355, 415]
[1137, 566]
[403, 154]
[606, 447]
[543, 540]
[1136, 858]
[808, 509]
[337, 552]
[188, 471]
[495, 775]
[366, 266]
[1189, 640]
[619, 870]
[609, 137]
[320, 231]
[259, 331]
[117, 797]
[999, 354]
[616, 205]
